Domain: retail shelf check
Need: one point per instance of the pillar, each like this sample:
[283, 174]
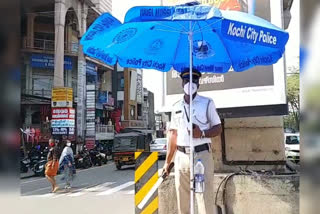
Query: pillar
[59, 21]
[81, 88]
[126, 100]
[30, 29]
[28, 78]
[28, 119]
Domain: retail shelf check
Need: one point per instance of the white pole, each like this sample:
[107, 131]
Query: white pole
[190, 122]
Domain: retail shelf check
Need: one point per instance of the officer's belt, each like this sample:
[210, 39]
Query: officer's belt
[200, 148]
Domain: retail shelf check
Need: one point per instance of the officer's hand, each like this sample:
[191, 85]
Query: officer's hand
[165, 169]
[196, 132]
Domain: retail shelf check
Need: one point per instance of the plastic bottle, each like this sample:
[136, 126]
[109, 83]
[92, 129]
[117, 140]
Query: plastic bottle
[199, 177]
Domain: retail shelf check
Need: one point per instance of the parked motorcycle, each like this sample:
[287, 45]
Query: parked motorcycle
[24, 165]
[83, 159]
[39, 166]
[106, 152]
[103, 153]
[34, 157]
[96, 157]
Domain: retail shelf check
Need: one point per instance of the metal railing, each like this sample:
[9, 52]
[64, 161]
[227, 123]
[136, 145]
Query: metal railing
[104, 129]
[48, 45]
[41, 93]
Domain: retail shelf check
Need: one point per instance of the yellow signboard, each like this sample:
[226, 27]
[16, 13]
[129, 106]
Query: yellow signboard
[62, 94]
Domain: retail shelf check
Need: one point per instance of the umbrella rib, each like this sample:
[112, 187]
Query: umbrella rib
[175, 53]
[182, 26]
[208, 26]
[172, 31]
[194, 26]
[158, 23]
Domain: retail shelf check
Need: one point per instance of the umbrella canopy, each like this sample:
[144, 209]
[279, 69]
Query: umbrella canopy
[158, 38]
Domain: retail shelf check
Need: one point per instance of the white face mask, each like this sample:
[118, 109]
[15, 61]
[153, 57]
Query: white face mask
[69, 144]
[193, 90]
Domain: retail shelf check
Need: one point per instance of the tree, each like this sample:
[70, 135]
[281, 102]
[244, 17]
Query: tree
[293, 97]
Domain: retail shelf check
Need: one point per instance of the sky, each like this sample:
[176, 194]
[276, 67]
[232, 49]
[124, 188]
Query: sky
[152, 78]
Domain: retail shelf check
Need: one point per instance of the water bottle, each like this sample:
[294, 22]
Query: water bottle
[199, 177]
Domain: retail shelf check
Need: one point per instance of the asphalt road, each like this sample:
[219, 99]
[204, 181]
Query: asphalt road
[97, 189]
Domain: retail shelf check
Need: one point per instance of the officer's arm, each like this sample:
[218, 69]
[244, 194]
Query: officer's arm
[172, 147]
[213, 131]
[215, 122]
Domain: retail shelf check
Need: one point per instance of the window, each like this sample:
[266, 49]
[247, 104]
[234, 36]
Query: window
[292, 140]
[42, 85]
[36, 118]
[120, 81]
[44, 36]
[139, 110]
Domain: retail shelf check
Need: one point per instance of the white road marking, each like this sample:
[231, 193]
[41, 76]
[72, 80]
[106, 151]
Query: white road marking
[130, 192]
[72, 193]
[116, 189]
[76, 194]
[97, 188]
[78, 171]
[91, 189]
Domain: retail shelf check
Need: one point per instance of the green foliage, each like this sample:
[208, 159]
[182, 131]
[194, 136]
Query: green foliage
[293, 97]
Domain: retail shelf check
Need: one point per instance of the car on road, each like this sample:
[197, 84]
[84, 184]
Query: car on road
[292, 146]
[159, 145]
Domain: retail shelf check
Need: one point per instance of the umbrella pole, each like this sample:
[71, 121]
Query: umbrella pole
[190, 37]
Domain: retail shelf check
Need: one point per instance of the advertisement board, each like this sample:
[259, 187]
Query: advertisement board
[234, 93]
[47, 61]
[63, 123]
[139, 87]
[62, 97]
[63, 113]
[63, 131]
[90, 114]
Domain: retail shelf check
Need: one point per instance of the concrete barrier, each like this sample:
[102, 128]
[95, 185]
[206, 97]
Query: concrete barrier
[245, 194]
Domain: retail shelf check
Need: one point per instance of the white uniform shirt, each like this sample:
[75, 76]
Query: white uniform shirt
[204, 115]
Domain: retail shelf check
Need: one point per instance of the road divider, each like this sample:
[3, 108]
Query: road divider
[145, 177]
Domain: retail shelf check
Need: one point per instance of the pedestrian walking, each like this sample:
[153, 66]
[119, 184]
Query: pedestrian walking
[67, 164]
[52, 165]
[206, 125]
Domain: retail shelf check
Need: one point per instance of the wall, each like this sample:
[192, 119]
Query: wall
[245, 194]
[106, 84]
[251, 139]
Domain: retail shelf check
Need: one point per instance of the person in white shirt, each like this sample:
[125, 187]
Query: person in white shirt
[206, 125]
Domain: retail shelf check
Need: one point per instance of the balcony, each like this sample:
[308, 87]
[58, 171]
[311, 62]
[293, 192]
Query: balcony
[133, 124]
[48, 45]
[40, 93]
[104, 132]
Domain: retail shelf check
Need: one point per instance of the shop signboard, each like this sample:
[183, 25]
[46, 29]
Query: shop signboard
[62, 97]
[90, 142]
[63, 131]
[139, 87]
[90, 113]
[47, 61]
[63, 113]
[63, 123]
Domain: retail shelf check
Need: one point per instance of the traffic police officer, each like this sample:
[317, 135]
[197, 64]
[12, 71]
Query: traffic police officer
[207, 125]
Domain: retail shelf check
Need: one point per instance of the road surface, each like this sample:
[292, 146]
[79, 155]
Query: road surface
[97, 189]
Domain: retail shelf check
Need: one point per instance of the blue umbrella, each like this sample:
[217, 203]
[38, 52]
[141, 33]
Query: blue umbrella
[158, 38]
[185, 36]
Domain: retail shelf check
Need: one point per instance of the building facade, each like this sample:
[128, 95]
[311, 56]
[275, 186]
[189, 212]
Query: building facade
[51, 57]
